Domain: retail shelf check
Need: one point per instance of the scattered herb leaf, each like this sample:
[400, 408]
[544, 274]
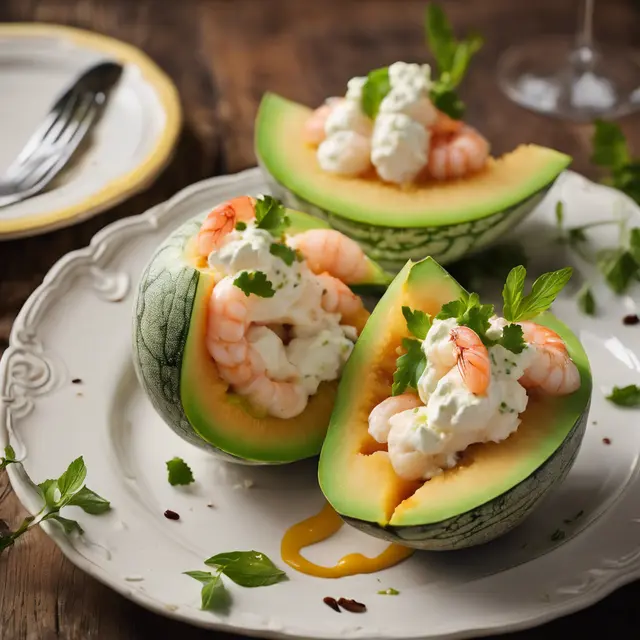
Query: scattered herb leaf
[241, 226]
[560, 214]
[247, 568]
[388, 592]
[586, 301]
[418, 322]
[254, 282]
[179, 472]
[90, 502]
[618, 268]
[213, 594]
[628, 396]
[9, 457]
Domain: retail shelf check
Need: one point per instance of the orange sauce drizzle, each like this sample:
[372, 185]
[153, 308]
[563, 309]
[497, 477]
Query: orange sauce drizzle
[322, 526]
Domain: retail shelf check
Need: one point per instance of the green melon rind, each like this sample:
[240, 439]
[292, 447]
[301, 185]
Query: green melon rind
[391, 247]
[494, 518]
[164, 304]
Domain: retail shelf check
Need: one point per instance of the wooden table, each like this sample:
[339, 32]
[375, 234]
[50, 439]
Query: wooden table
[223, 56]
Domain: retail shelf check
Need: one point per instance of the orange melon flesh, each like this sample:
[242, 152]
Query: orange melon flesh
[225, 420]
[364, 486]
[504, 183]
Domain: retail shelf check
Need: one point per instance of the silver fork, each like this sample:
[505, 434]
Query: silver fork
[55, 141]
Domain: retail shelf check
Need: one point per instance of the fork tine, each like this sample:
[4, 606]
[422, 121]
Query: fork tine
[49, 169]
[61, 113]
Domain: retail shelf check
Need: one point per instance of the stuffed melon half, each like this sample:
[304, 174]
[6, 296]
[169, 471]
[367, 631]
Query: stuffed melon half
[183, 381]
[494, 485]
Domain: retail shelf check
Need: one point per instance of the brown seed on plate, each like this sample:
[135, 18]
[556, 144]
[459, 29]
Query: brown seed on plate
[76, 381]
[352, 605]
[632, 318]
[171, 515]
[331, 602]
[606, 440]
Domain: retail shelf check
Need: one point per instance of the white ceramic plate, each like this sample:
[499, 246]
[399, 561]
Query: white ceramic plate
[77, 325]
[127, 149]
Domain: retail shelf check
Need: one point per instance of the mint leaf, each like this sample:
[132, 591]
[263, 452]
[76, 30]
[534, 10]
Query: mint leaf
[440, 38]
[271, 215]
[512, 293]
[462, 57]
[513, 338]
[254, 282]
[409, 367]
[47, 490]
[213, 595]
[90, 502]
[9, 457]
[609, 145]
[586, 301]
[418, 322]
[447, 100]
[247, 568]
[69, 526]
[628, 396]
[72, 479]
[179, 472]
[618, 268]
[286, 254]
[374, 90]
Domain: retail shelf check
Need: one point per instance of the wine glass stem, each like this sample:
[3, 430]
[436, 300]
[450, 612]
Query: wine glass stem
[585, 32]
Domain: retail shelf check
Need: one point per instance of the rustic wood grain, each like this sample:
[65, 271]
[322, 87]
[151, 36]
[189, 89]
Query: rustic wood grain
[223, 55]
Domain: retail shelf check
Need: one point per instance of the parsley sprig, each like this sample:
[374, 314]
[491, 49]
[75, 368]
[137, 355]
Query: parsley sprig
[68, 490]
[470, 312]
[245, 568]
[255, 282]
[271, 216]
[179, 472]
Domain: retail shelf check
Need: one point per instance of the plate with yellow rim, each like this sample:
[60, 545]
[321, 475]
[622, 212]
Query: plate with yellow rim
[130, 145]
[68, 388]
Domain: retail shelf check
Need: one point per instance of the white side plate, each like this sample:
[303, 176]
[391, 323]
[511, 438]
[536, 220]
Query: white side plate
[126, 150]
[77, 325]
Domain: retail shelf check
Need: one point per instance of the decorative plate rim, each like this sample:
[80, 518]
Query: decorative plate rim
[15, 393]
[135, 180]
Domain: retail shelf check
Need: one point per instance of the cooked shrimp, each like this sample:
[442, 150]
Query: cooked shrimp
[456, 155]
[222, 221]
[444, 124]
[239, 364]
[472, 359]
[551, 369]
[337, 297]
[379, 417]
[328, 250]
[314, 126]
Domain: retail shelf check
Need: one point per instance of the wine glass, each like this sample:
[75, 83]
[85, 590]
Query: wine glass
[575, 79]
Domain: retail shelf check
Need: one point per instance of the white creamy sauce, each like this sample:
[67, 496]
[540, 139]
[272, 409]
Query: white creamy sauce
[396, 143]
[424, 441]
[319, 345]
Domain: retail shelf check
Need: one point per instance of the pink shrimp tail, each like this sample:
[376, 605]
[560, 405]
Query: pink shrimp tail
[222, 220]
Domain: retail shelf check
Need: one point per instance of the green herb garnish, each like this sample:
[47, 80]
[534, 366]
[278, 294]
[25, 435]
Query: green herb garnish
[418, 322]
[388, 592]
[409, 367]
[518, 307]
[255, 282]
[628, 396]
[452, 60]
[68, 490]
[179, 472]
[271, 216]
[246, 568]
[286, 254]
[374, 90]
[9, 457]
[586, 301]
[241, 226]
